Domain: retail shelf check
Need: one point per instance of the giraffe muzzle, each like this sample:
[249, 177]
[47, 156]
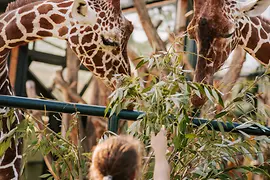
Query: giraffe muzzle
[203, 74]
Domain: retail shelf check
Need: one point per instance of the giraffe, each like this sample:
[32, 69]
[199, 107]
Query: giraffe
[218, 26]
[96, 31]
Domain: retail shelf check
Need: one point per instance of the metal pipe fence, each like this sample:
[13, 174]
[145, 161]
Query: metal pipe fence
[83, 109]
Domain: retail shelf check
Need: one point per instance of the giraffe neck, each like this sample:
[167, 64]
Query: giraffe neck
[255, 38]
[17, 27]
[36, 21]
[29, 23]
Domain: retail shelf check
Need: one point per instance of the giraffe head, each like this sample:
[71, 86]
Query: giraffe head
[99, 37]
[216, 28]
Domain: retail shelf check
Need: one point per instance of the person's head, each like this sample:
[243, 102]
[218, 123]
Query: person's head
[117, 158]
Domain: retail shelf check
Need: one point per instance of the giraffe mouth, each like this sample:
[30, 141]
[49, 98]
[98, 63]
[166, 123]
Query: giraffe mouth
[109, 42]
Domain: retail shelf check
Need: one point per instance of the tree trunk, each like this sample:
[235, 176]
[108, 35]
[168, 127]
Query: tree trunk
[96, 126]
[72, 80]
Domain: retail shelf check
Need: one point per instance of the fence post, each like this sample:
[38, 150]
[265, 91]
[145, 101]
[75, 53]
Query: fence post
[113, 123]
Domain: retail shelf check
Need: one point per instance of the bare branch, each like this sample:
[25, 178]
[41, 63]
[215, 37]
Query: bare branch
[148, 26]
[233, 74]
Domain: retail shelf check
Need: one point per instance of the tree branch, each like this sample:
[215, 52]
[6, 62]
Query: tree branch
[230, 78]
[148, 26]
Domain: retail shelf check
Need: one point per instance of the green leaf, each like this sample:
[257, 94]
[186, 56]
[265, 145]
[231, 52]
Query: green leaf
[218, 97]
[45, 175]
[198, 93]
[238, 99]
[220, 126]
[4, 146]
[208, 94]
[260, 157]
[221, 114]
[191, 136]
[141, 63]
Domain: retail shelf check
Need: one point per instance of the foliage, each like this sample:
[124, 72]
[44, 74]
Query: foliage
[194, 152]
[68, 162]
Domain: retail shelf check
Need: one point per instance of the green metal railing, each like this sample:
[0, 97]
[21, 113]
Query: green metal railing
[56, 106]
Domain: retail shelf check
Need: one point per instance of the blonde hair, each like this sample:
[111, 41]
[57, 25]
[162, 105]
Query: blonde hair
[117, 158]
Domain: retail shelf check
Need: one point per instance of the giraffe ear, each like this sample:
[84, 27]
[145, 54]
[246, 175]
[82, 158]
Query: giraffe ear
[254, 7]
[82, 12]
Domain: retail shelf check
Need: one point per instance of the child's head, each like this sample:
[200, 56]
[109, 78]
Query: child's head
[117, 158]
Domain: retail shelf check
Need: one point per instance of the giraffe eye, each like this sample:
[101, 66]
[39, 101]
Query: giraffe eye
[109, 42]
[227, 35]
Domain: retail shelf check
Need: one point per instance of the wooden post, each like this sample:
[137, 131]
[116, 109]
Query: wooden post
[18, 68]
[13, 65]
[181, 20]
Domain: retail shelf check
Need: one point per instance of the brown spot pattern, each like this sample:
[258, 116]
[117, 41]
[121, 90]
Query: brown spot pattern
[97, 59]
[245, 31]
[31, 38]
[102, 15]
[10, 154]
[17, 44]
[73, 30]
[67, 4]
[5, 51]
[115, 51]
[81, 51]
[12, 31]
[263, 34]
[57, 19]
[44, 33]
[256, 21]
[44, 9]
[27, 22]
[95, 27]
[87, 29]
[116, 63]
[75, 39]
[44, 23]
[100, 71]
[91, 68]
[2, 42]
[108, 65]
[263, 53]
[64, 11]
[18, 163]
[63, 31]
[87, 38]
[1, 26]
[7, 173]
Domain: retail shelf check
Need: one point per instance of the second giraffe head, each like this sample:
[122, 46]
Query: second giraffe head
[218, 26]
